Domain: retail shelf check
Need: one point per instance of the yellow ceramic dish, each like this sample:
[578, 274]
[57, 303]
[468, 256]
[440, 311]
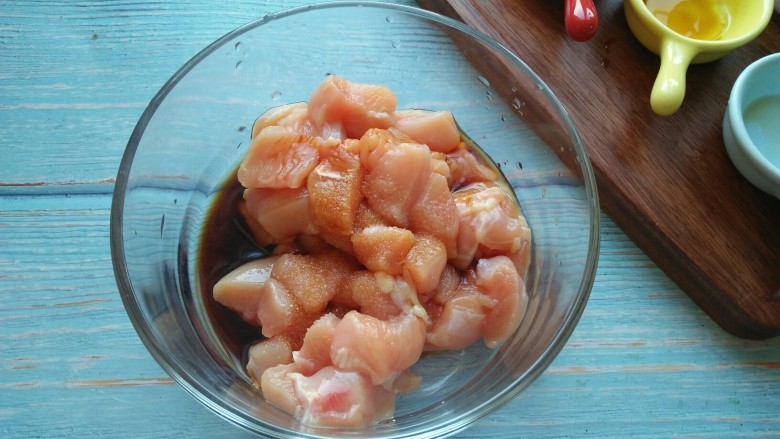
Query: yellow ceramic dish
[714, 28]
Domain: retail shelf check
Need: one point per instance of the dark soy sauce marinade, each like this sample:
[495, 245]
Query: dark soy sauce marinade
[226, 243]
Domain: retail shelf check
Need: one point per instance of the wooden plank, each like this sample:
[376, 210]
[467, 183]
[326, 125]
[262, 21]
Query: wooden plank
[643, 361]
[667, 181]
[75, 78]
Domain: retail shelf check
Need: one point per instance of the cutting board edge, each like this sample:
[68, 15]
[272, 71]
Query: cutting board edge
[726, 313]
[692, 282]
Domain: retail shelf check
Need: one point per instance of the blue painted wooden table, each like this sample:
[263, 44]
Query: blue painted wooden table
[74, 79]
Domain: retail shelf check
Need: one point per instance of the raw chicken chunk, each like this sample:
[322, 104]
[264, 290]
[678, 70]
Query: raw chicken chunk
[278, 158]
[261, 236]
[267, 354]
[425, 263]
[240, 290]
[383, 248]
[279, 312]
[341, 398]
[377, 349]
[315, 352]
[395, 184]
[489, 303]
[490, 224]
[466, 168]
[321, 394]
[366, 296]
[357, 107]
[365, 217]
[375, 143]
[461, 320]
[437, 129]
[435, 213]
[294, 117]
[448, 283]
[314, 279]
[334, 193]
[279, 389]
[440, 165]
[281, 213]
[497, 278]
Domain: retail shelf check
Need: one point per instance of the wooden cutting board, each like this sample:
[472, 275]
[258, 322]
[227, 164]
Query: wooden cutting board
[667, 181]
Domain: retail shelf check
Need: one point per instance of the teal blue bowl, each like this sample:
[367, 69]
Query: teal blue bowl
[751, 125]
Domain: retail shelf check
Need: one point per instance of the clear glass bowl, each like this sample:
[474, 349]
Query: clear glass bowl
[196, 130]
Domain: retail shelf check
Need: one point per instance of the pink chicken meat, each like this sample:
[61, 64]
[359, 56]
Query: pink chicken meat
[389, 238]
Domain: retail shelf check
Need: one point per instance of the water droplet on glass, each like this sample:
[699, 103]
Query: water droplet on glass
[489, 96]
[241, 128]
[514, 89]
[503, 118]
[389, 19]
[544, 192]
[518, 105]
[519, 165]
[276, 95]
[237, 46]
[238, 65]
[484, 81]
[395, 43]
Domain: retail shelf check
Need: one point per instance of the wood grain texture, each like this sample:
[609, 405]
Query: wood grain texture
[667, 181]
[643, 362]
